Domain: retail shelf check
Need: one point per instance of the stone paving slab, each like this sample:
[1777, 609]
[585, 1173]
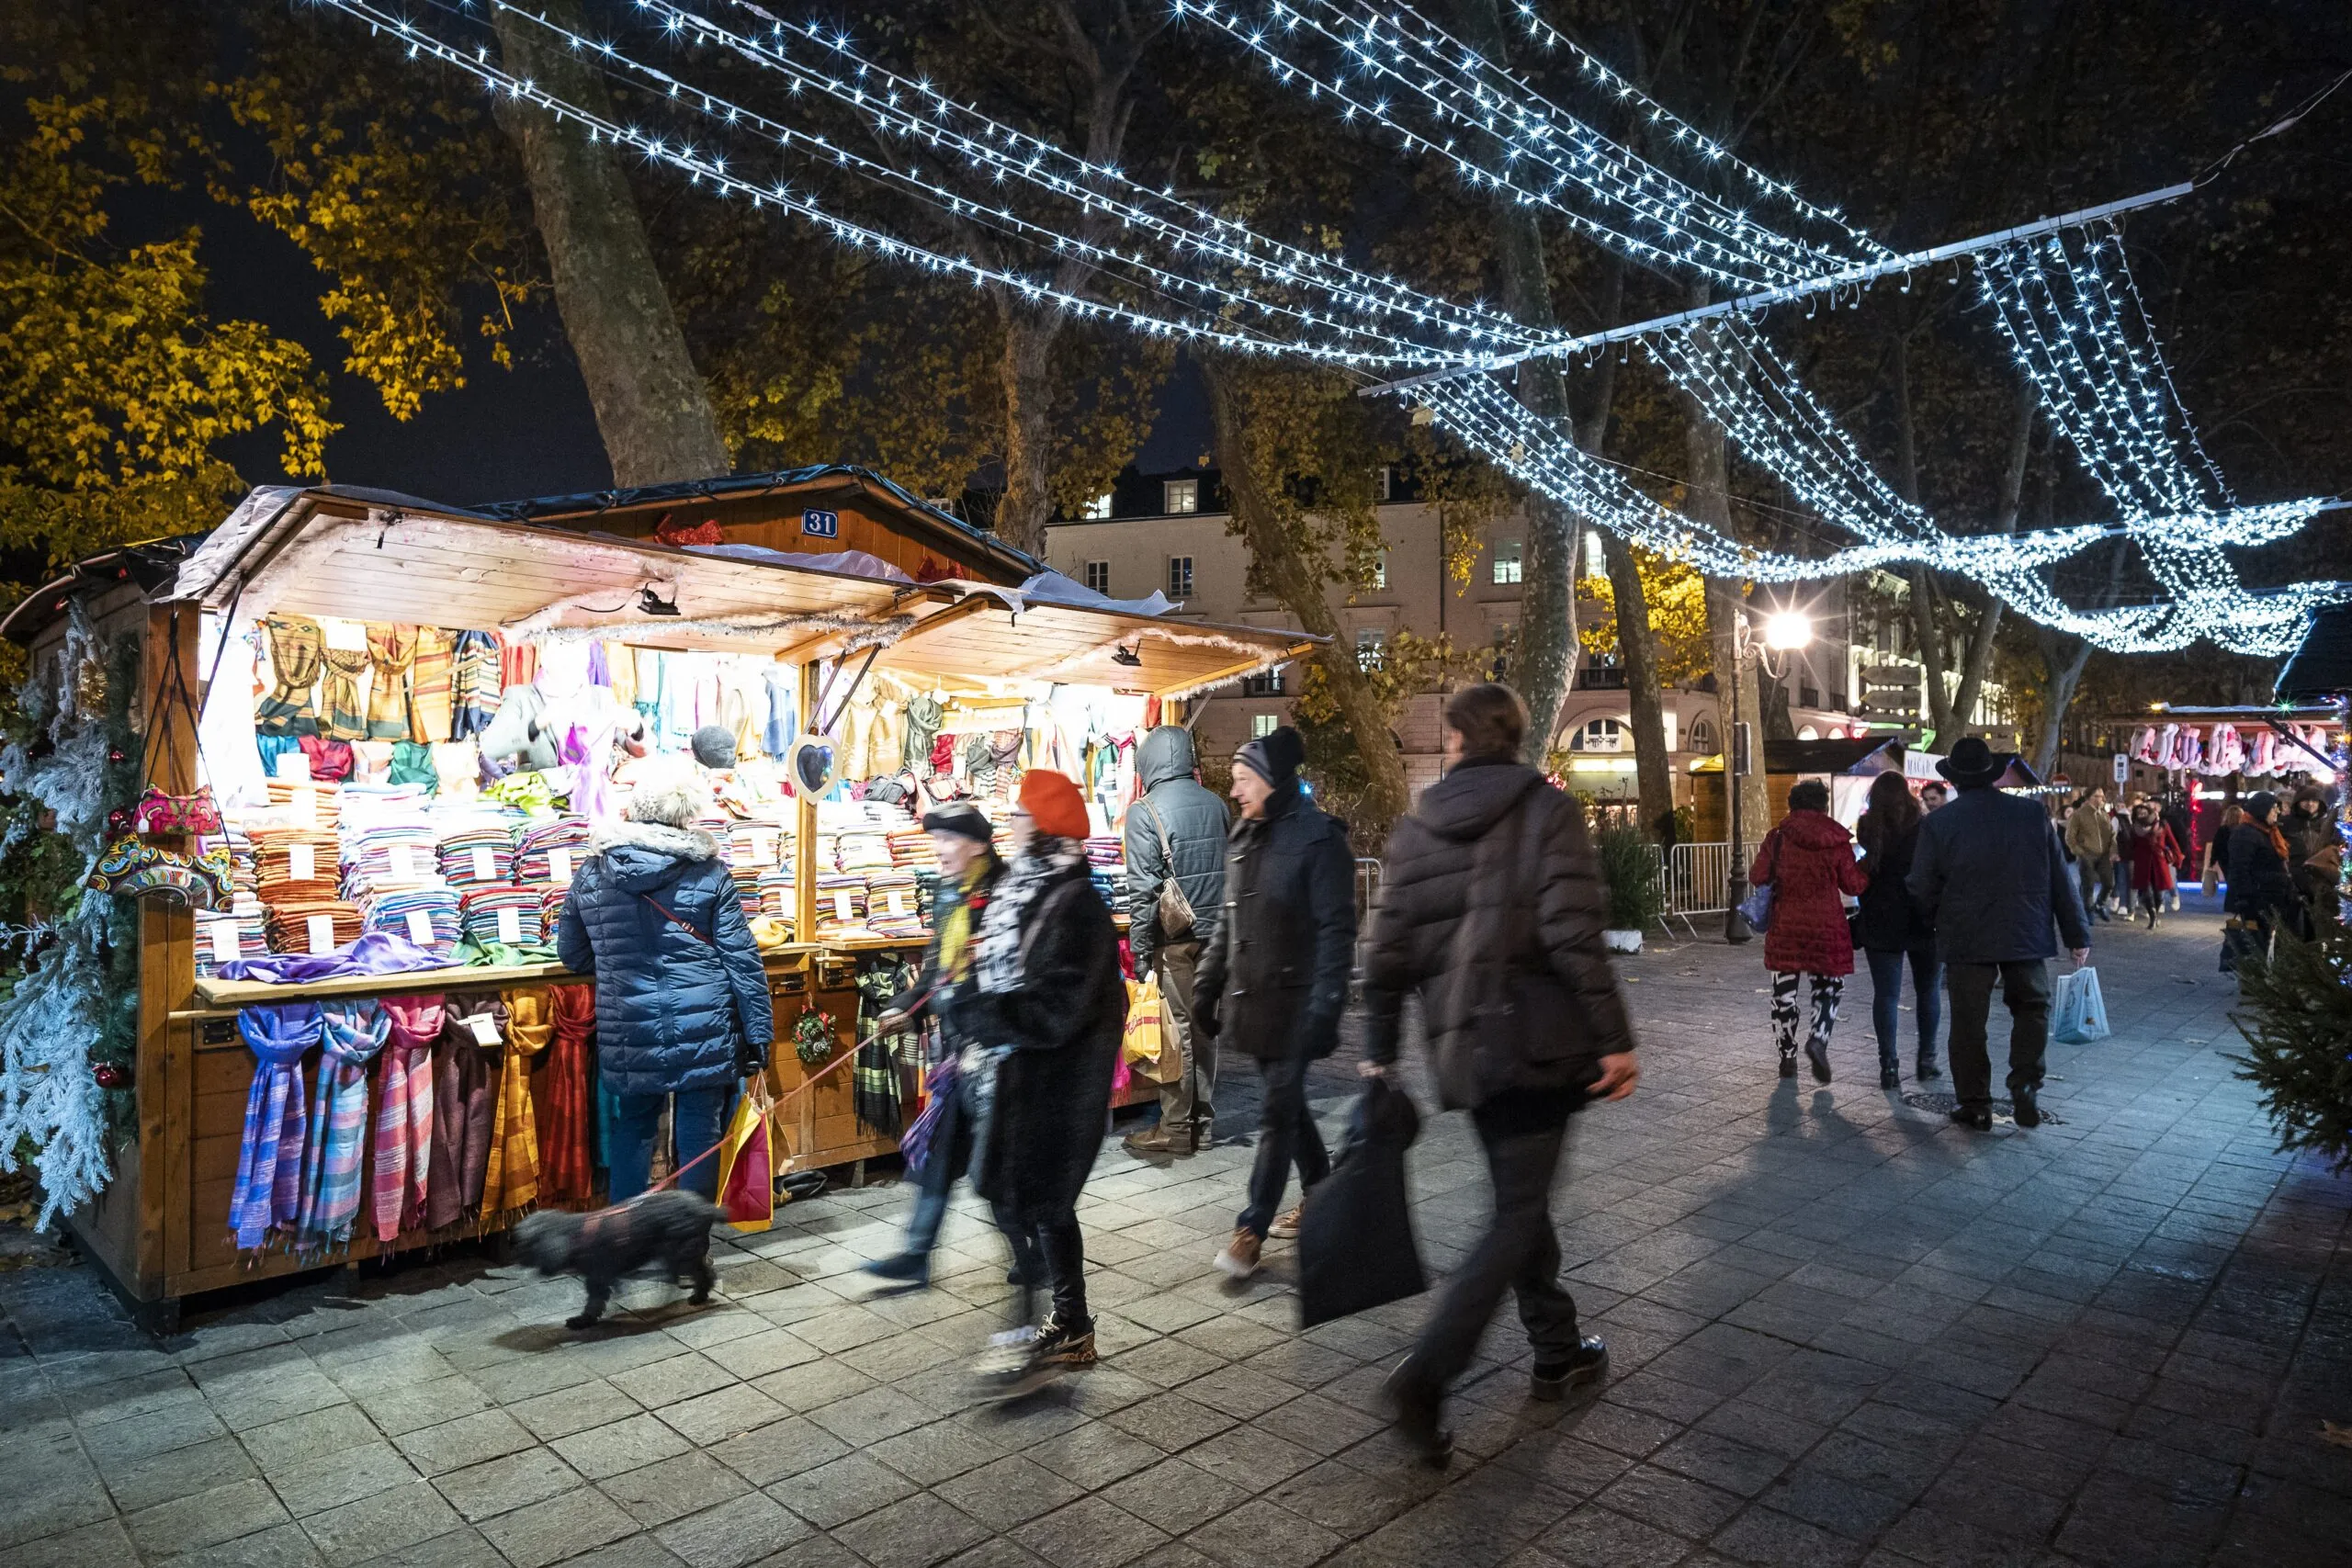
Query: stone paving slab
[1842, 1332]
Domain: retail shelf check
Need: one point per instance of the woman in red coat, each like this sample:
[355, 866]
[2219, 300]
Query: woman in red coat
[2154, 853]
[1807, 862]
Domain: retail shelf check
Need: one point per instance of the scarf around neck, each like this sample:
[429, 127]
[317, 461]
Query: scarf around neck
[268, 1195]
[404, 1115]
[352, 1033]
[1005, 923]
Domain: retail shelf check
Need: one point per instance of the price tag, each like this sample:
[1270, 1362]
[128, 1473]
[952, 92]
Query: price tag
[485, 865]
[223, 934]
[420, 928]
[485, 1028]
[302, 861]
[558, 865]
[306, 806]
[841, 907]
[322, 929]
[294, 767]
[403, 862]
[510, 927]
[897, 900]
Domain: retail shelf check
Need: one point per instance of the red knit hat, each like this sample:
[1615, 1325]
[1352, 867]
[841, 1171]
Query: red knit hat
[1053, 804]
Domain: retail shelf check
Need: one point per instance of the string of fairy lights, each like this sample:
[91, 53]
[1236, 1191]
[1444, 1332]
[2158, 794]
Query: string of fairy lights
[1158, 263]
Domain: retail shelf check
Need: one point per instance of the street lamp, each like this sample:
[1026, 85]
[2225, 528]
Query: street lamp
[1785, 631]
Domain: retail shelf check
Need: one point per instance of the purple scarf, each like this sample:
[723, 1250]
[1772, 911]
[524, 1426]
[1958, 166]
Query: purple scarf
[268, 1196]
[378, 952]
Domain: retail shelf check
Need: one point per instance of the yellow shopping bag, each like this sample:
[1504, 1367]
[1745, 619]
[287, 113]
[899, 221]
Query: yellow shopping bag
[1150, 1051]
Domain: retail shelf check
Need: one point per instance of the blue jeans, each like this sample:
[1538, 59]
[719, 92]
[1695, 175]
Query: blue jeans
[1886, 996]
[697, 1122]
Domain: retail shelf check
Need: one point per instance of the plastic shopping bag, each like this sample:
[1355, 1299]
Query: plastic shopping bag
[2078, 1012]
[747, 1166]
[1355, 1233]
[1148, 1048]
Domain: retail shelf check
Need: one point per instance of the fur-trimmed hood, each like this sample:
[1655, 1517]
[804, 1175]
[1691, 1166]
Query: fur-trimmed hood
[640, 855]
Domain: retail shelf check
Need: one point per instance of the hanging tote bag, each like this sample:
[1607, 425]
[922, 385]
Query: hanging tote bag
[747, 1166]
[1145, 1046]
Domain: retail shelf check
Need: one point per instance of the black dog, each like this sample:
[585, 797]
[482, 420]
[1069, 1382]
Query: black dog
[667, 1226]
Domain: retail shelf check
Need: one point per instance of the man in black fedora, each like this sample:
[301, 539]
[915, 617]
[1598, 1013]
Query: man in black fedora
[1990, 873]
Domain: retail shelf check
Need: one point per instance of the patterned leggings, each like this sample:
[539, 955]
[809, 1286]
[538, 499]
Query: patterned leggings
[1828, 990]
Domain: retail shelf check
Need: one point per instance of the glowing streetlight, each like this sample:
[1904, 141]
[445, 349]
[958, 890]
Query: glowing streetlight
[1785, 630]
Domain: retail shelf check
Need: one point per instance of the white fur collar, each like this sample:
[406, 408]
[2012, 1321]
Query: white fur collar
[679, 843]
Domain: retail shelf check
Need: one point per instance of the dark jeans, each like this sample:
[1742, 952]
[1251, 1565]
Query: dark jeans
[1523, 1136]
[951, 1154]
[1286, 1134]
[697, 1120]
[1048, 1247]
[1886, 1001]
[2025, 987]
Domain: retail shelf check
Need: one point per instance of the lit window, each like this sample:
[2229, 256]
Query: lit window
[1264, 684]
[1600, 735]
[1099, 508]
[1380, 566]
[1098, 576]
[1263, 723]
[1180, 577]
[1371, 648]
[1506, 560]
[1180, 496]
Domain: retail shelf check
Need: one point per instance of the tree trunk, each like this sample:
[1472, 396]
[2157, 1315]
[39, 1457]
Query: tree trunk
[1707, 457]
[2064, 659]
[1027, 504]
[1297, 584]
[1988, 621]
[1547, 618]
[1652, 772]
[652, 406]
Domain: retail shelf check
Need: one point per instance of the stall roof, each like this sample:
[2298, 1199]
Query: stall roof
[2321, 668]
[327, 553]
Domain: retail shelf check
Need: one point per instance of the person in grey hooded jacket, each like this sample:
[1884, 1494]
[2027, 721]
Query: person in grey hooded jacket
[682, 996]
[1176, 832]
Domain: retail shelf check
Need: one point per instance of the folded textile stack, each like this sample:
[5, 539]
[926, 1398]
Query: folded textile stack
[389, 854]
[553, 896]
[862, 851]
[1111, 883]
[757, 842]
[911, 847]
[841, 901]
[322, 801]
[294, 863]
[508, 914]
[312, 924]
[894, 906]
[1105, 849]
[775, 892]
[242, 931]
[429, 917]
[477, 855]
[551, 851]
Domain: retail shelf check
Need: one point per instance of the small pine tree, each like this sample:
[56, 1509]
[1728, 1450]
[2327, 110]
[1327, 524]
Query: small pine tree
[2297, 1019]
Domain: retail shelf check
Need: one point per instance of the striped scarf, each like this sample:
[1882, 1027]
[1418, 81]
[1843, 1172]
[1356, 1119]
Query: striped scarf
[295, 649]
[565, 1176]
[428, 687]
[339, 694]
[392, 651]
[404, 1115]
[474, 684]
[267, 1196]
[354, 1032]
[512, 1182]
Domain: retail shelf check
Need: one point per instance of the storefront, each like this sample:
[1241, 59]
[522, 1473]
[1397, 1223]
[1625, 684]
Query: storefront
[411, 719]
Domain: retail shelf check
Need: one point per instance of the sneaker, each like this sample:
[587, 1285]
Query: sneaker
[1415, 1407]
[1588, 1363]
[1286, 1227]
[1239, 1259]
[1010, 1365]
[907, 1268]
[1071, 1346]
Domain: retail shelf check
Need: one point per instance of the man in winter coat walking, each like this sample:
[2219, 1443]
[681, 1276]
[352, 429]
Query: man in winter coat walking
[1991, 874]
[2090, 834]
[1175, 840]
[1491, 904]
[1276, 980]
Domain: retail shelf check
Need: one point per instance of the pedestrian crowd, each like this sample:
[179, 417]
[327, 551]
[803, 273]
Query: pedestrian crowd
[1490, 911]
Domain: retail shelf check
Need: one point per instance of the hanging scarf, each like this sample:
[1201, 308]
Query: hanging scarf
[511, 1182]
[428, 686]
[346, 720]
[874, 1096]
[391, 650]
[296, 651]
[404, 1115]
[474, 684]
[461, 1113]
[564, 1174]
[354, 1032]
[267, 1196]
[1006, 920]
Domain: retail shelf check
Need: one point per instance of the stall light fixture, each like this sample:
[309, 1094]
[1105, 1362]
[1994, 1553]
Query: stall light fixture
[1122, 654]
[653, 604]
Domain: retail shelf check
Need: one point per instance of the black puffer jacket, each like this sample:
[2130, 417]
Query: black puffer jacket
[1064, 1022]
[1192, 823]
[1524, 1000]
[1276, 980]
[1890, 919]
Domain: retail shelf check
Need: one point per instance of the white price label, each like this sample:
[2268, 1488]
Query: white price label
[841, 907]
[302, 861]
[510, 927]
[403, 862]
[420, 928]
[322, 929]
[558, 865]
[306, 806]
[764, 849]
[897, 900]
[485, 865]
[485, 1028]
[222, 935]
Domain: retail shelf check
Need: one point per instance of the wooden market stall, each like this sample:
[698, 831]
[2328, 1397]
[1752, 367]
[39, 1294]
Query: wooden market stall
[836, 621]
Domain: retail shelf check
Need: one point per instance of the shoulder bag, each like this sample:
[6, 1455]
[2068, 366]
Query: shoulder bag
[1757, 907]
[1176, 916]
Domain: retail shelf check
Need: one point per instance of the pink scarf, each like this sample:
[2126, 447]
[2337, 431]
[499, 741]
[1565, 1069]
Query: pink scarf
[404, 1115]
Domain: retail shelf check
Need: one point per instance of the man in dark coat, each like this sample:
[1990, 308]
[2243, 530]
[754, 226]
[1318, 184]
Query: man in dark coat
[1276, 979]
[1176, 834]
[1491, 904]
[682, 996]
[1991, 873]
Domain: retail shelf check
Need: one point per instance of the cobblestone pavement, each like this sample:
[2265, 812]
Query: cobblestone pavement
[1843, 1332]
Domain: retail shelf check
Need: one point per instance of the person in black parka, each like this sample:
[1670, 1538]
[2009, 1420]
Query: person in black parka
[682, 996]
[1893, 930]
[1045, 1016]
[2262, 885]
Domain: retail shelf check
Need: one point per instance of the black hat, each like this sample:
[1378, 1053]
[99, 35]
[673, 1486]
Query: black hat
[1973, 764]
[2260, 804]
[1274, 756]
[961, 818]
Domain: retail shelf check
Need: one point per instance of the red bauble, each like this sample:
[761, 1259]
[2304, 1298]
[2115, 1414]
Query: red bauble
[119, 820]
[115, 754]
[110, 1075]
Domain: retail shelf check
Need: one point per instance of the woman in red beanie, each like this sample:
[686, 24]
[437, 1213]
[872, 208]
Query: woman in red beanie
[1047, 1013]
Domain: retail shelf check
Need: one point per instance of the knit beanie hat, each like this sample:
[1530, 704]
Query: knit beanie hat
[714, 746]
[1274, 756]
[960, 818]
[1053, 804]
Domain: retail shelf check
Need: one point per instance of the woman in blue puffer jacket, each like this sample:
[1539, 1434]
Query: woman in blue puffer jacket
[682, 997]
